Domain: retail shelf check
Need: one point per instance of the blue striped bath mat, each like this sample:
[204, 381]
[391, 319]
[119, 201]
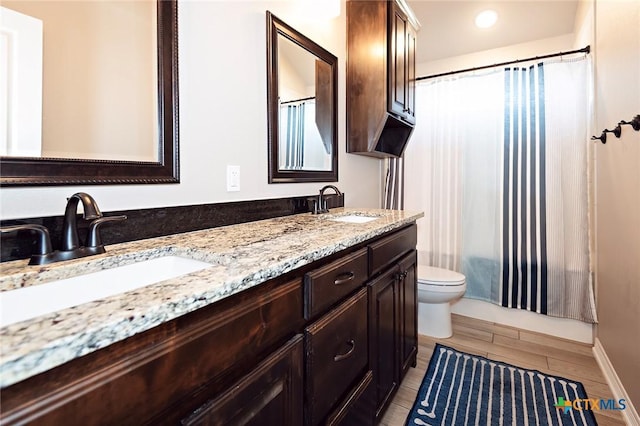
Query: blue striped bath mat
[463, 389]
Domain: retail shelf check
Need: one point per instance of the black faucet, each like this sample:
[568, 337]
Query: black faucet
[69, 226]
[71, 248]
[320, 205]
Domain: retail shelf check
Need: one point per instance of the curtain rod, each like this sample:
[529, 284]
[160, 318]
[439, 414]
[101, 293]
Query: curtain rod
[297, 100]
[586, 49]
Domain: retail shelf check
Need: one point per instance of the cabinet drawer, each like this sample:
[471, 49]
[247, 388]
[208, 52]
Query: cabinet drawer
[390, 248]
[336, 347]
[358, 408]
[271, 394]
[326, 285]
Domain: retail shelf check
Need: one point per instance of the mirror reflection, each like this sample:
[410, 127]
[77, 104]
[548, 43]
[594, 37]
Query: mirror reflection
[302, 145]
[302, 104]
[78, 80]
[109, 116]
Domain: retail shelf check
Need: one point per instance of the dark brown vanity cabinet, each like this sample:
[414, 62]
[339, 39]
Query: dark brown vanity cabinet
[327, 343]
[236, 359]
[393, 332]
[381, 43]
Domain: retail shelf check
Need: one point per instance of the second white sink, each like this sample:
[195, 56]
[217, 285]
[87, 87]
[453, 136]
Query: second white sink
[29, 302]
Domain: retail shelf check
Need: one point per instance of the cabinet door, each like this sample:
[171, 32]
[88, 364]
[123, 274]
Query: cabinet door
[410, 105]
[397, 61]
[270, 395]
[408, 312]
[383, 332]
[402, 65]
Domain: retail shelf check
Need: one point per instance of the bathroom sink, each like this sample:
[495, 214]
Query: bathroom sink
[353, 218]
[30, 302]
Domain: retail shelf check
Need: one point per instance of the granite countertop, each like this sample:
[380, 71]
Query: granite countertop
[242, 256]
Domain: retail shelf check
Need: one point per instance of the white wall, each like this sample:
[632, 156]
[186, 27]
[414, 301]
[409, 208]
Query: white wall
[494, 56]
[617, 54]
[223, 117]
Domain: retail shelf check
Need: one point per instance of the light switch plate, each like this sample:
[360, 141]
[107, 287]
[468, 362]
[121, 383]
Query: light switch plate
[233, 178]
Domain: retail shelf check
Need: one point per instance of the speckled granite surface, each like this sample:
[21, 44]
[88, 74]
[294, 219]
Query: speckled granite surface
[242, 255]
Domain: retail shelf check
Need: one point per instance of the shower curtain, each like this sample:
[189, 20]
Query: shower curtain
[498, 162]
[293, 124]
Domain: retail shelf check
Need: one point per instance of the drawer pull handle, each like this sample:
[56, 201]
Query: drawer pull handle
[344, 278]
[347, 354]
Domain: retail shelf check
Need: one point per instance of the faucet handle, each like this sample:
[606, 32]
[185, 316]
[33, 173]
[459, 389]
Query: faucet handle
[93, 238]
[44, 240]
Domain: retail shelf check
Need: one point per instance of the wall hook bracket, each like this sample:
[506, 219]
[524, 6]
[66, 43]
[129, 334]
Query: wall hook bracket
[617, 131]
[602, 138]
[635, 123]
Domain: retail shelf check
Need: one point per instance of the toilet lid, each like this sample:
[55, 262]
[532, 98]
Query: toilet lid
[439, 276]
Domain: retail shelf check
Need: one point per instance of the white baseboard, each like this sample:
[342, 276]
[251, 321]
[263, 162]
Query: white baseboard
[629, 414]
[559, 327]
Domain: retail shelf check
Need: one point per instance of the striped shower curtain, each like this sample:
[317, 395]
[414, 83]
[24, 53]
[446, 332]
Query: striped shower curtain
[294, 136]
[498, 162]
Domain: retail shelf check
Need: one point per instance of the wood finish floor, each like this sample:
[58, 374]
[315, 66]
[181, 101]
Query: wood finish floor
[525, 349]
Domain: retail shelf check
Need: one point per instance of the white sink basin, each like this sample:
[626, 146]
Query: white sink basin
[29, 302]
[352, 218]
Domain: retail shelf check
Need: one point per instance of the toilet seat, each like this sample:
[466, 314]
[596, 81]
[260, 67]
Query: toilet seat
[433, 276]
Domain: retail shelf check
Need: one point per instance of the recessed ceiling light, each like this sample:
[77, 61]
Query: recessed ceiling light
[486, 18]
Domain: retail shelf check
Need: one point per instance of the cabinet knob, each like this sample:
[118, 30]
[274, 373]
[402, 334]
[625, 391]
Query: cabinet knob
[401, 275]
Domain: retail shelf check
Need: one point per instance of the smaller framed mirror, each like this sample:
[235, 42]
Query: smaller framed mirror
[302, 107]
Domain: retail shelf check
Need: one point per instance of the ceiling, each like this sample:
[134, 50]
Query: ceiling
[448, 27]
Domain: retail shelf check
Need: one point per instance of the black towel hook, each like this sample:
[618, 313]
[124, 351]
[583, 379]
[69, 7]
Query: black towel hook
[617, 131]
[635, 123]
[602, 138]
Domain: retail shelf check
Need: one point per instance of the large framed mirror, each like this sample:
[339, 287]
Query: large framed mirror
[106, 108]
[302, 107]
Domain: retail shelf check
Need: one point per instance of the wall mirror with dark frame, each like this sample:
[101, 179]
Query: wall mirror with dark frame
[106, 106]
[302, 107]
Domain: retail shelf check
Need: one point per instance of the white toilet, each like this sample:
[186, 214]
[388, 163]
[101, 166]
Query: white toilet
[437, 288]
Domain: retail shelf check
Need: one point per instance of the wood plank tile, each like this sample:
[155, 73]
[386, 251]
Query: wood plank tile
[552, 352]
[474, 333]
[556, 342]
[413, 378]
[405, 396]
[486, 347]
[566, 368]
[395, 415]
[478, 324]
[490, 327]
[596, 389]
[605, 420]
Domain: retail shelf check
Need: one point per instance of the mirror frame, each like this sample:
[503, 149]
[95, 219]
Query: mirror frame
[22, 171]
[276, 27]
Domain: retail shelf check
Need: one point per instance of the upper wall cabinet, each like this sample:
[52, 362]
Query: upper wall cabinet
[381, 44]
